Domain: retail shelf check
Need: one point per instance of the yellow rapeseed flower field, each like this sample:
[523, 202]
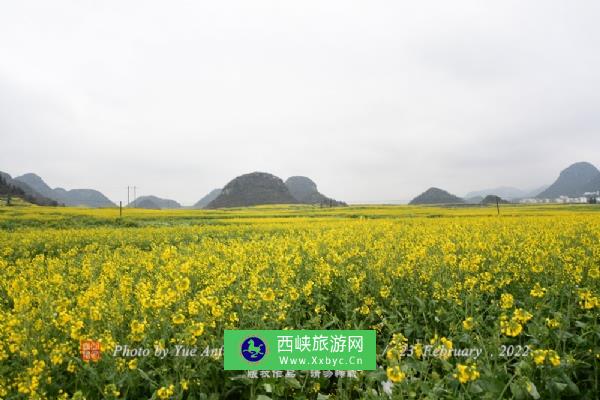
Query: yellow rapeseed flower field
[521, 290]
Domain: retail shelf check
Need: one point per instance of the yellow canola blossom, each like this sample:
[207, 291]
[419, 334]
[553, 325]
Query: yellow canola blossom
[466, 373]
[447, 278]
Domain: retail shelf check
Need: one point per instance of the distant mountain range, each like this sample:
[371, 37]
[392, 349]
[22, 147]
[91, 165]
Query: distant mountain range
[506, 192]
[491, 199]
[305, 191]
[74, 197]
[253, 189]
[475, 199]
[13, 188]
[436, 196]
[258, 188]
[153, 202]
[203, 202]
[574, 181]
[592, 186]
[263, 188]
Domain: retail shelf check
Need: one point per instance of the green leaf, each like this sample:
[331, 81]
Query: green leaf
[378, 375]
[146, 377]
[420, 303]
[327, 325]
[446, 365]
[492, 385]
[580, 324]
[475, 388]
[532, 389]
[293, 382]
[262, 397]
[268, 387]
[517, 391]
[564, 335]
[573, 389]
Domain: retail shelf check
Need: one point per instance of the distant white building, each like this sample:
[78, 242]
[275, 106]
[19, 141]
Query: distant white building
[571, 200]
[592, 197]
[565, 199]
[529, 201]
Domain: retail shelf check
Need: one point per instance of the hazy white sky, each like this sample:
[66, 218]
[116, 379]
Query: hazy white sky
[374, 100]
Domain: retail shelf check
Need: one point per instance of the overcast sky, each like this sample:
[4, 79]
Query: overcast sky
[374, 100]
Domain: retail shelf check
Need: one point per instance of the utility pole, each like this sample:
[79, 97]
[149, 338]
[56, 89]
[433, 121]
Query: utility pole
[120, 208]
[498, 204]
[127, 196]
[134, 195]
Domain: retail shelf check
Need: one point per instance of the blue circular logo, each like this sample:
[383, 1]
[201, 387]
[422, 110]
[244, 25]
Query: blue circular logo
[254, 349]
